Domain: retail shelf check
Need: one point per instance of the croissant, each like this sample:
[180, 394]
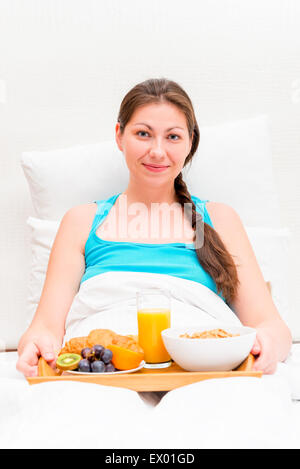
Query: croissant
[97, 336]
[101, 337]
[75, 345]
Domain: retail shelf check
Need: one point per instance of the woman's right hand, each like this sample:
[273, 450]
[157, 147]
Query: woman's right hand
[45, 345]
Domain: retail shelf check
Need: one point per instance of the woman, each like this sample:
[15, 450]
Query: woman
[158, 134]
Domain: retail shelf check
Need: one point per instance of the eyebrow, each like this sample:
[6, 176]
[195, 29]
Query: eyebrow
[142, 123]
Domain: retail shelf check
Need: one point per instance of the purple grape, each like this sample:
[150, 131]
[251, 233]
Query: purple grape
[98, 366]
[106, 356]
[84, 366]
[97, 350]
[109, 368]
[85, 352]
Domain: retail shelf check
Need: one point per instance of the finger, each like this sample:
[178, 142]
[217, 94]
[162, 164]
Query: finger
[263, 363]
[259, 364]
[256, 349]
[30, 354]
[52, 364]
[26, 369]
[46, 349]
[28, 360]
[269, 369]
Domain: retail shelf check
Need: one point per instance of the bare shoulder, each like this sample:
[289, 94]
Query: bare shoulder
[224, 218]
[229, 226]
[82, 211]
[78, 220]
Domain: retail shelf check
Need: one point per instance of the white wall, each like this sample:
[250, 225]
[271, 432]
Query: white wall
[66, 64]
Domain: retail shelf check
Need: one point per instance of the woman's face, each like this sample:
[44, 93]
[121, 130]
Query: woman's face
[155, 143]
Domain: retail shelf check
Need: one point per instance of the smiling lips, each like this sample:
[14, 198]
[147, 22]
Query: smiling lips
[155, 168]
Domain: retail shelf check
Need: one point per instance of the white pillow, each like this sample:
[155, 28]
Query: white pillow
[60, 179]
[233, 165]
[269, 245]
[43, 233]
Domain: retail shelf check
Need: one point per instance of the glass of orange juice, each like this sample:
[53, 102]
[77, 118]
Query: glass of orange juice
[153, 315]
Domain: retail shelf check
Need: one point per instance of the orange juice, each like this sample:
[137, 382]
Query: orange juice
[151, 321]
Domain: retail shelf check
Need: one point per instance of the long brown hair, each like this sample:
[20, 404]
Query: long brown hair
[212, 255]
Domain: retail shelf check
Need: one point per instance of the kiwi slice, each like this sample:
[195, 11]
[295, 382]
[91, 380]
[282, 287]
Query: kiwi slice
[68, 361]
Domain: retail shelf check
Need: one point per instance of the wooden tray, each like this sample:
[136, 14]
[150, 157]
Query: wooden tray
[154, 380]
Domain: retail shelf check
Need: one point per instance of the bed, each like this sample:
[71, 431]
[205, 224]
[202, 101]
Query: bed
[232, 413]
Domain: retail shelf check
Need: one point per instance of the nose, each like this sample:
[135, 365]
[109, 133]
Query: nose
[157, 150]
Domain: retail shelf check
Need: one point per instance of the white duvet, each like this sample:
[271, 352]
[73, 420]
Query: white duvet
[225, 413]
[109, 301]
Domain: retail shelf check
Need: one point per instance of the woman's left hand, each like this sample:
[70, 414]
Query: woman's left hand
[265, 352]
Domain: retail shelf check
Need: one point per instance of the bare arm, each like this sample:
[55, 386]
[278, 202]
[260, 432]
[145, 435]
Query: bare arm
[254, 304]
[65, 269]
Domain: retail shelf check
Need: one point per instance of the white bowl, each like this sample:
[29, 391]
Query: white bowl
[223, 354]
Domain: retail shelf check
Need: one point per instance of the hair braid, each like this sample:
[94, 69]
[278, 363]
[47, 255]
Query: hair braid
[212, 255]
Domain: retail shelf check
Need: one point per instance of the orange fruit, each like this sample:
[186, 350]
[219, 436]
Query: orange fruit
[124, 358]
[45, 370]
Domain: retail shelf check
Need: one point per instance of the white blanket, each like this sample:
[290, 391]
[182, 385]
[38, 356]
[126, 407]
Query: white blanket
[109, 301]
[224, 413]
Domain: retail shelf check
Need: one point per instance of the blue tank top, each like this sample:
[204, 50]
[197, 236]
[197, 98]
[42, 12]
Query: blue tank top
[176, 259]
